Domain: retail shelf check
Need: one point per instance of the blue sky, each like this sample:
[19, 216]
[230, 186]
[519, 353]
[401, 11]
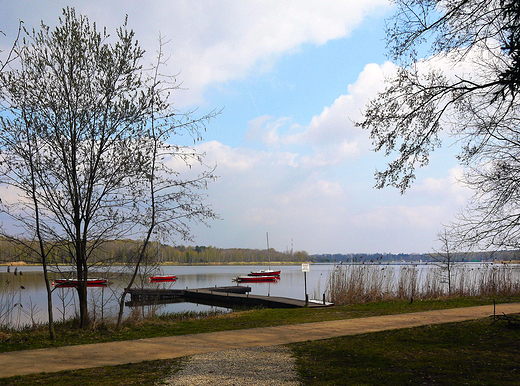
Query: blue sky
[291, 76]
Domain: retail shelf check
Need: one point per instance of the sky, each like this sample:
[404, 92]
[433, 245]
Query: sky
[291, 78]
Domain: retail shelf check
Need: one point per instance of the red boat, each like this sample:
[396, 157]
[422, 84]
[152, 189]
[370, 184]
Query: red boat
[74, 282]
[265, 272]
[256, 279]
[157, 279]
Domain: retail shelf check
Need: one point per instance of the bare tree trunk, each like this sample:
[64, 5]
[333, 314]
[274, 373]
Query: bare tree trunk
[82, 296]
[52, 332]
[152, 224]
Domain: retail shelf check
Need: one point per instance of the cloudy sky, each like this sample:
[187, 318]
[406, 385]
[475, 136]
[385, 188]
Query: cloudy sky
[291, 77]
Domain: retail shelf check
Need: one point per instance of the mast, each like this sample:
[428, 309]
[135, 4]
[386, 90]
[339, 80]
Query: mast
[268, 256]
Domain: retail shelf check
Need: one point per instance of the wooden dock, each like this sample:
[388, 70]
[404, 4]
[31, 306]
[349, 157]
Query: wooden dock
[228, 297]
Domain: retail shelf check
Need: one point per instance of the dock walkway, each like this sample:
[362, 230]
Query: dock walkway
[229, 297]
[114, 353]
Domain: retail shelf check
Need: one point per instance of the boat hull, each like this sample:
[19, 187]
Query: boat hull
[74, 283]
[160, 279]
[256, 279]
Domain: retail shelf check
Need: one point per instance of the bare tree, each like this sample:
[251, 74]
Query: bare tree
[11, 56]
[445, 258]
[161, 191]
[478, 108]
[84, 132]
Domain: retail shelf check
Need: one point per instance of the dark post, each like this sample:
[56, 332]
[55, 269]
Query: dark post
[306, 295]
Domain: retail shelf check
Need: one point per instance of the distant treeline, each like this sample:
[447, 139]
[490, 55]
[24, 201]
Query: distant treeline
[202, 254]
[415, 257]
[123, 251]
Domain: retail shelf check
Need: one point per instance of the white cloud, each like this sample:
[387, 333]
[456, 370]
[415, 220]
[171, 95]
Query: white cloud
[332, 135]
[450, 188]
[211, 41]
[11, 195]
[369, 82]
[266, 129]
[429, 205]
[229, 159]
[259, 189]
[308, 180]
[391, 218]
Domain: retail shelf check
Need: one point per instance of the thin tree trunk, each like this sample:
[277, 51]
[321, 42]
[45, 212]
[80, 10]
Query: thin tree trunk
[82, 296]
[52, 332]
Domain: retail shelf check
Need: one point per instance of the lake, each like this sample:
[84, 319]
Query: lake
[24, 294]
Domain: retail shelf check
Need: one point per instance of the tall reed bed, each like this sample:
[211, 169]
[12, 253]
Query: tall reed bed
[10, 307]
[359, 283]
[362, 283]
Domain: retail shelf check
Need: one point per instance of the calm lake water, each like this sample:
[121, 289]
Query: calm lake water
[23, 297]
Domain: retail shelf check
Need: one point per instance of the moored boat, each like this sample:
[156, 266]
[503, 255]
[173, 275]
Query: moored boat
[265, 272]
[268, 271]
[162, 278]
[256, 279]
[74, 282]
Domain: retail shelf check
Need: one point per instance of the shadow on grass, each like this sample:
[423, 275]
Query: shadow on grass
[471, 353]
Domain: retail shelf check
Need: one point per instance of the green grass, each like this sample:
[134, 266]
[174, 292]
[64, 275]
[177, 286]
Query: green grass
[190, 323]
[476, 352]
[468, 353]
[148, 373]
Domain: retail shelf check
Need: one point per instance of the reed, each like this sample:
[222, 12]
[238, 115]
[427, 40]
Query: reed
[359, 283]
[363, 283]
[10, 306]
[408, 283]
[435, 286]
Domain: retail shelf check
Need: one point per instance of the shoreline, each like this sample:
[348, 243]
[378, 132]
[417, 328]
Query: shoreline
[259, 263]
[167, 263]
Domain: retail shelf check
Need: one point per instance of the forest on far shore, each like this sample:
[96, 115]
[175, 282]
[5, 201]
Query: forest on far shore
[416, 257]
[123, 251]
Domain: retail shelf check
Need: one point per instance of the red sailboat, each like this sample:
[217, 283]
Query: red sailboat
[256, 279]
[74, 282]
[162, 278]
[268, 271]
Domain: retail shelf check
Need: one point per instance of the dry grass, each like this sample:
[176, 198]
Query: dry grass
[15, 263]
[362, 283]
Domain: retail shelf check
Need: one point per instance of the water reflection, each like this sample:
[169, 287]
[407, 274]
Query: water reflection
[31, 280]
[29, 288]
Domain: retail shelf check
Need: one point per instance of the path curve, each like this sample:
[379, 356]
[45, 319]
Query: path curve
[114, 353]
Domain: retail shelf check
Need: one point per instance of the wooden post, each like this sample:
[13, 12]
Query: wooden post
[306, 295]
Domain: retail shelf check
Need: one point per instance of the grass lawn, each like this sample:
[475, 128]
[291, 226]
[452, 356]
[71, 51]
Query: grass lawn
[467, 353]
[193, 323]
[476, 352]
[149, 373]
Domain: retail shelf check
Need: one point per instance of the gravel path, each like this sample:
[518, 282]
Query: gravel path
[268, 366]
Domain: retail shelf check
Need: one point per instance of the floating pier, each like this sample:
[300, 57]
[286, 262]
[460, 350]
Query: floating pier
[228, 297]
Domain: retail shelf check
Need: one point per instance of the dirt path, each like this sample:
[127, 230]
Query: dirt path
[113, 353]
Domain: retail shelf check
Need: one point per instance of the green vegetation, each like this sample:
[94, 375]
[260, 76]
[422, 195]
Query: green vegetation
[147, 373]
[194, 323]
[468, 353]
[501, 255]
[475, 352]
[123, 251]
